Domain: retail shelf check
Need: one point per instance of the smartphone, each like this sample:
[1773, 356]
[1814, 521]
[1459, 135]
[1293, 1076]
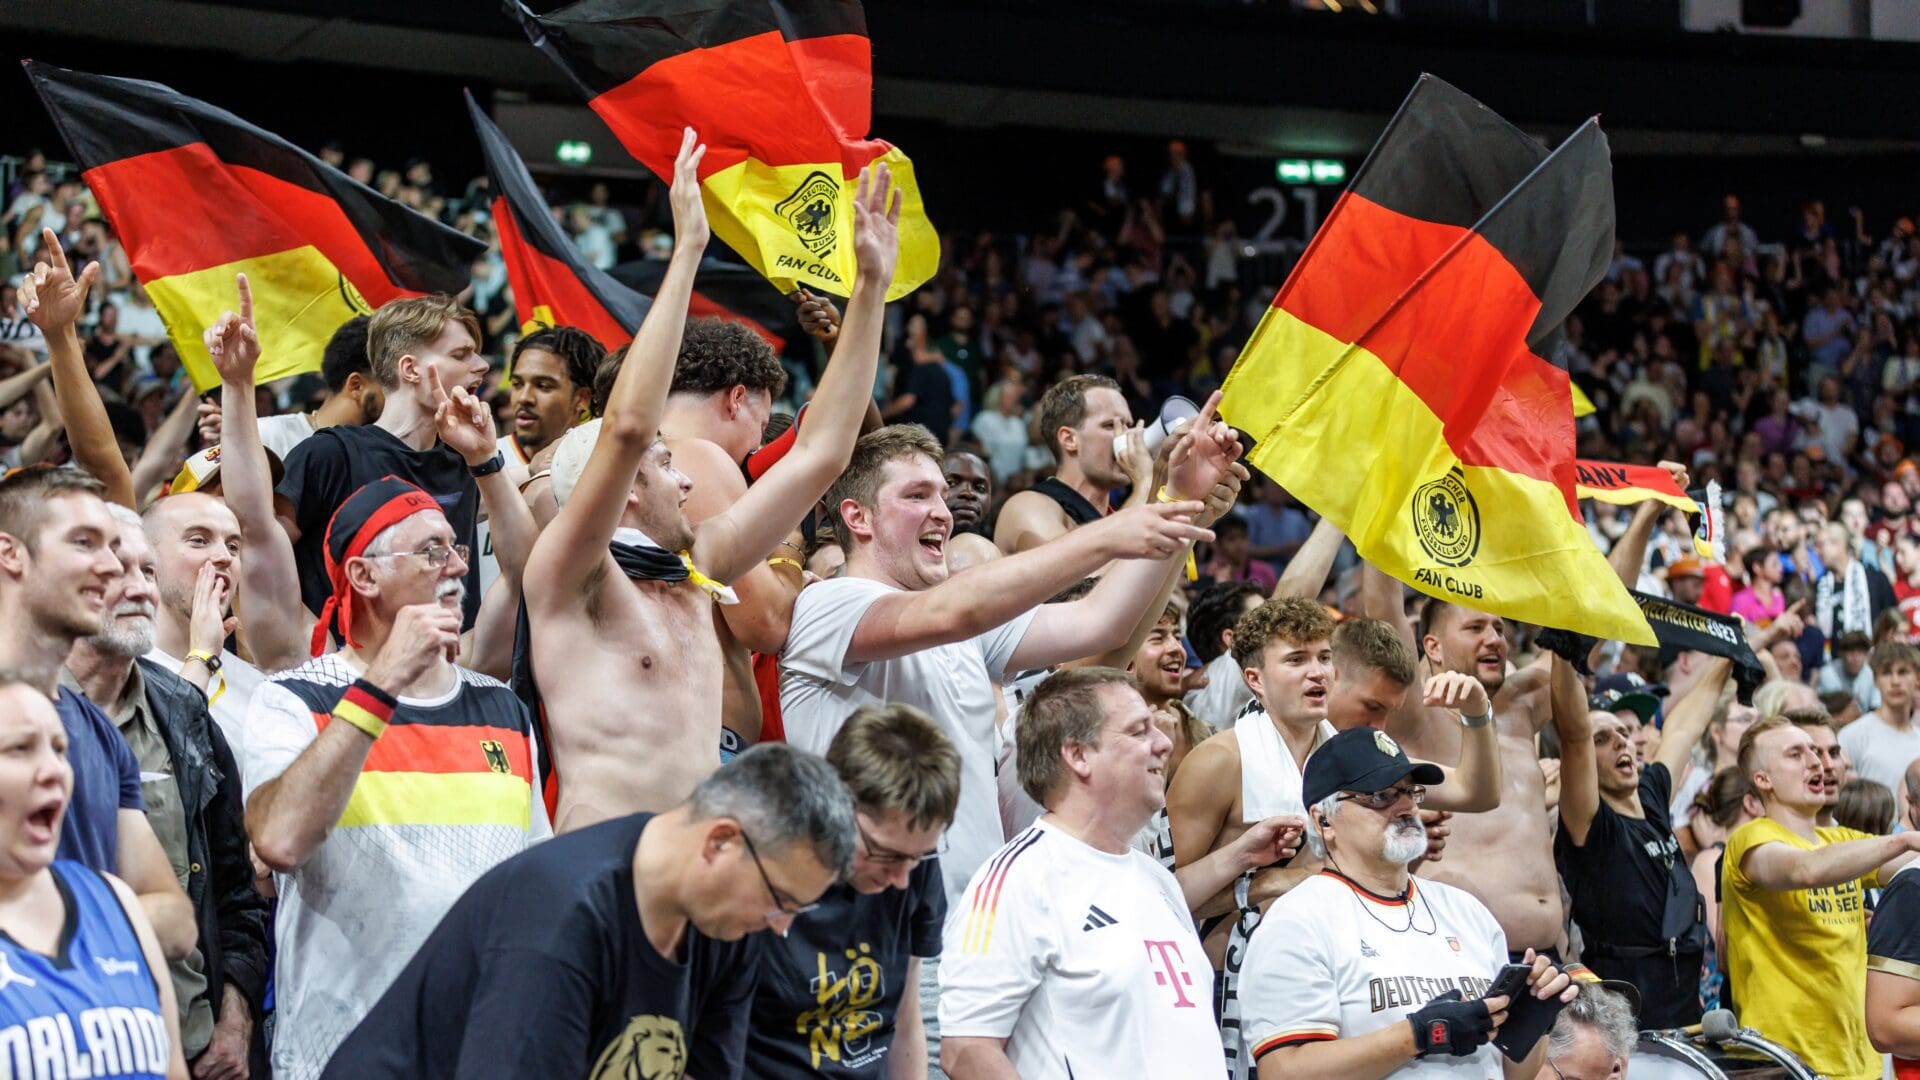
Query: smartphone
[1528, 1018]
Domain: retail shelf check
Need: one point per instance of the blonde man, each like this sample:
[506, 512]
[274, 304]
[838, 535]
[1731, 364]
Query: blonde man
[1793, 907]
[424, 350]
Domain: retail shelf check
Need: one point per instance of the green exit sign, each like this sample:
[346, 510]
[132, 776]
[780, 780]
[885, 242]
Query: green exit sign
[573, 152]
[1310, 171]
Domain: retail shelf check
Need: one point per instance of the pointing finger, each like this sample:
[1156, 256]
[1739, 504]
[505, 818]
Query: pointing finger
[246, 297]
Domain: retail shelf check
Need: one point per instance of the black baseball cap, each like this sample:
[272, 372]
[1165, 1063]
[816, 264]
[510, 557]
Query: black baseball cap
[1361, 759]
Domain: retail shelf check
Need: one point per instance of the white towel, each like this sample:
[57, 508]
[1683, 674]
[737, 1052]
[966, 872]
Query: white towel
[1269, 777]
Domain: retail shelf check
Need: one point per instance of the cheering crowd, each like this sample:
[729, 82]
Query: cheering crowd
[476, 726]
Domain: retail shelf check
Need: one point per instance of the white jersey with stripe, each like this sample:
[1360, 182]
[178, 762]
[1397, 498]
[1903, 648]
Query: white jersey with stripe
[1330, 961]
[1085, 962]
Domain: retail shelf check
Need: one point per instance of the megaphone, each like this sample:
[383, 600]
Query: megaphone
[1175, 416]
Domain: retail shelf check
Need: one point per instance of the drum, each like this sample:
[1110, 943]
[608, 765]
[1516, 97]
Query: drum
[1660, 1056]
[1669, 1056]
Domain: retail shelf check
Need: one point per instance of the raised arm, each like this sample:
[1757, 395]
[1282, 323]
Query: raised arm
[1782, 867]
[1629, 552]
[761, 619]
[1224, 494]
[573, 545]
[166, 447]
[1101, 620]
[1579, 782]
[982, 597]
[1383, 597]
[1307, 571]
[739, 539]
[33, 449]
[1688, 719]
[278, 626]
[1473, 786]
[15, 387]
[54, 300]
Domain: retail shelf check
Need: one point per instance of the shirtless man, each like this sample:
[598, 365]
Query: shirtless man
[1080, 416]
[723, 388]
[631, 668]
[1251, 772]
[1504, 856]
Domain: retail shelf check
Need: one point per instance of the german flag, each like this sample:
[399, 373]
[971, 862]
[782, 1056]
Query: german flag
[1396, 384]
[553, 285]
[1628, 485]
[781, 92]
[197, 195]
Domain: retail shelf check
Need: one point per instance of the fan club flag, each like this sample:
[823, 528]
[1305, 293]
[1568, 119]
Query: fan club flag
[1397, 386]
[782, 95]
[553, 284]
[197, 195]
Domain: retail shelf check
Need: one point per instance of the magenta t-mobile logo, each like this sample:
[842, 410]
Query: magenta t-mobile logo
[1167, 954]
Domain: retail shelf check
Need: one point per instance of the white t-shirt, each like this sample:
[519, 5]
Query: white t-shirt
[1087, 963]
[1879, 751]
[282, 433]
[446, 793]
[1329, 962]
[953, 684]
[1220, 701]
[229, 694]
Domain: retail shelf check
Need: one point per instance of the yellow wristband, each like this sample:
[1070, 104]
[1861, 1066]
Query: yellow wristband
[782, 560]
[1162, 496]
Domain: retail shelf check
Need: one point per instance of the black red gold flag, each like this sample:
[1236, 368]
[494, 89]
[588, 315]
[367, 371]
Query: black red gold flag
[197, 194]
[1397, 384]
[553, 283]
[781, 92]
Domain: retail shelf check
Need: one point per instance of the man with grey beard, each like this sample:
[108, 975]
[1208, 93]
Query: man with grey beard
[382, 779]
[1361, 971]
[191, 788]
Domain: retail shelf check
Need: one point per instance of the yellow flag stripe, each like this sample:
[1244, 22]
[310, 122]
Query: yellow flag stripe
[1582, 404]
[299, 300]
[762, 212]
[1360, 449]
[409, 798]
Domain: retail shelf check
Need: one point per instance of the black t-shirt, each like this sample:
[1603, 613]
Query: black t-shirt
[543, 969]
[333, 463]
[830, 990]
[1893, 936]
[1636, 904]
[932, 390]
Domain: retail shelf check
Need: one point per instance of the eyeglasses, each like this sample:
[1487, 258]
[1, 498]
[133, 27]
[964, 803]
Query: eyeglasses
[1380, 800]
[436, 554]
[1613, 1070]
[780, 908]
[884, 857]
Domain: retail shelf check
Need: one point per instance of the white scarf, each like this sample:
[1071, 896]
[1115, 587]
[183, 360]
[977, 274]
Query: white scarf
[1856, 606]
[1269, 777]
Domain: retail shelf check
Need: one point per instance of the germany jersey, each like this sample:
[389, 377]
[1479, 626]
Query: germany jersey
[445, 794]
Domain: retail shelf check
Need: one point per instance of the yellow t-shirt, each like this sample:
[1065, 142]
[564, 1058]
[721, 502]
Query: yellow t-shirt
[1797, 960]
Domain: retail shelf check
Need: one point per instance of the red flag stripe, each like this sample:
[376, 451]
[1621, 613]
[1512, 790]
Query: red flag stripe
[540, 281]
[243, 214]
[741, 95]
[1458, 342]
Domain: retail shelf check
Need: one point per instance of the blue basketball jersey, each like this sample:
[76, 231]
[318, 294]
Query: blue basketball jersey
[92, 1010]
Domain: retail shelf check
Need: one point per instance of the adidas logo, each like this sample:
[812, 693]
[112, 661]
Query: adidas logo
[1366, 949]
[1097, 918]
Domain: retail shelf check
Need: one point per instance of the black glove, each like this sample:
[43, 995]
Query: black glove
[1450, 1025]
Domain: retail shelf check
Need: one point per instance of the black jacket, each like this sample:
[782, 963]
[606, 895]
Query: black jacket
[233, 918]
